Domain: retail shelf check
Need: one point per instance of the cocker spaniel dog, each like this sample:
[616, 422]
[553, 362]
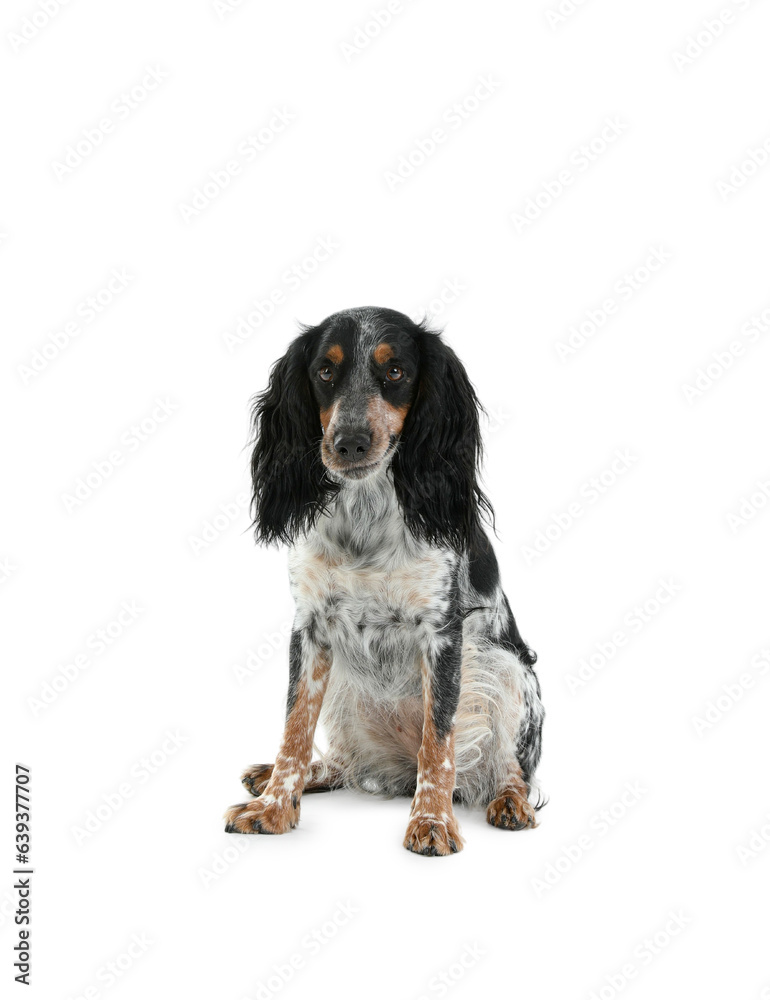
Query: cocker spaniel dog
[365, 463]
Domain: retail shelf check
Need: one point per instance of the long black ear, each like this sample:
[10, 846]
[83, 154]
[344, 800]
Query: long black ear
[289, 481]
[435, 469]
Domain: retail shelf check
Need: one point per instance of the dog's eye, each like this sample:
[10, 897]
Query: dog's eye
[395, 374]
[326, 374]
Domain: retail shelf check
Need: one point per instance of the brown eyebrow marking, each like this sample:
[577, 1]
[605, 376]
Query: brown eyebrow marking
[335, 354]
[383, 353]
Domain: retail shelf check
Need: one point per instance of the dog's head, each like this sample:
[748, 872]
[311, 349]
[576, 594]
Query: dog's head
[368, 391]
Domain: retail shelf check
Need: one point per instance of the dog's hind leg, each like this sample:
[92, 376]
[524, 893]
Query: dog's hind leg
[322, 777]
[511, 808]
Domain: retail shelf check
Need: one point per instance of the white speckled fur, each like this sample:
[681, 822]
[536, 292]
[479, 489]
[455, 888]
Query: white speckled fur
[377, 598]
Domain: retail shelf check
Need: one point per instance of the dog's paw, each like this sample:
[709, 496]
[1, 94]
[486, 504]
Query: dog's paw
[256, 777]
[433, 837]
[259, 816]
[511, 812]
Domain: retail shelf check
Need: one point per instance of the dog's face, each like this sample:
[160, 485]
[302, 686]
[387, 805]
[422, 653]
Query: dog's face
[368, 389]
[364, 373]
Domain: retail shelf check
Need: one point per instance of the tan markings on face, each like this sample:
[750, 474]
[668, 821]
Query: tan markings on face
[385, 421]
[329, 424]
[383, 353]
[328, 415]
[335, 354]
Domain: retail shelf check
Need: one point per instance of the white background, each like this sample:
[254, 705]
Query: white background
[219, 913]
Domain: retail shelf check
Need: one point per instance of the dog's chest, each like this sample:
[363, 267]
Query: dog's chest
[376, 615]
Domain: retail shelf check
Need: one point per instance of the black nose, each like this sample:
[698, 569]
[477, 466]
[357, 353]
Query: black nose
[352, 445]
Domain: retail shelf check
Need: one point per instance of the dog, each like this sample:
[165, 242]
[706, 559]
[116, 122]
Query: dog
[365, 462]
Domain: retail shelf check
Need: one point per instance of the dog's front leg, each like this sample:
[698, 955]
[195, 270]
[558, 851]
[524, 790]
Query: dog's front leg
[277, 808]
[432, 828]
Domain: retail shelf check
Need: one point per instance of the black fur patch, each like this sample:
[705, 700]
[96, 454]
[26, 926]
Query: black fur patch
[482, 565]
[435, 470]
[510, 638]
[290, 486]
[445, 672]
[295, 668]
